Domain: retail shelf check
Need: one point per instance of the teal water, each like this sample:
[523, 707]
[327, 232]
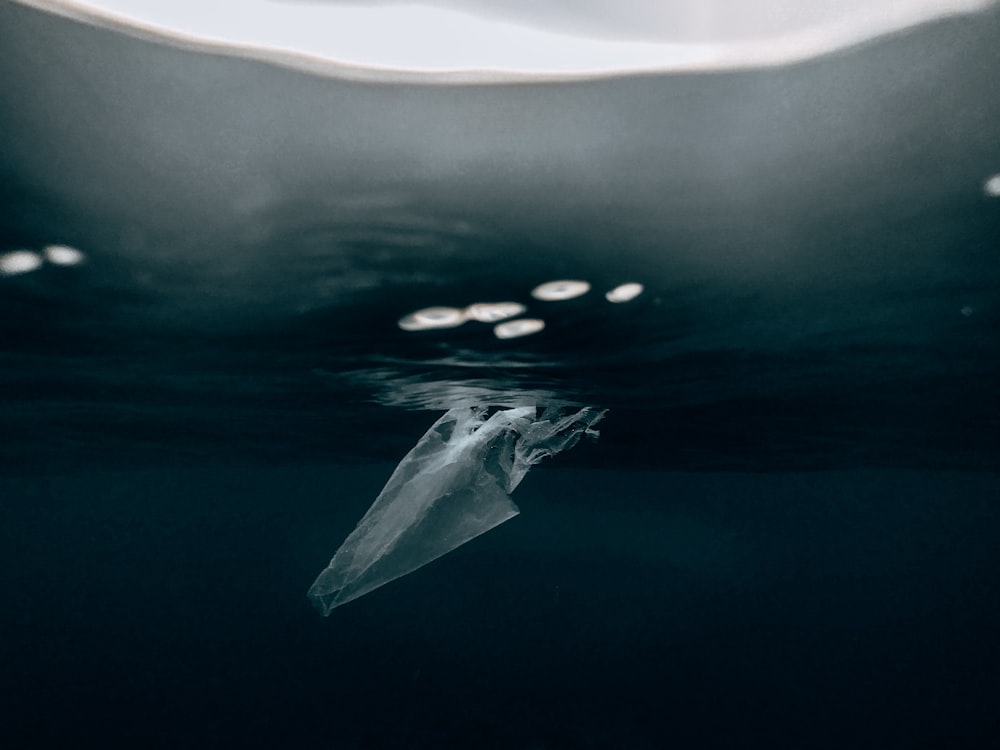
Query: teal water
[786, 535]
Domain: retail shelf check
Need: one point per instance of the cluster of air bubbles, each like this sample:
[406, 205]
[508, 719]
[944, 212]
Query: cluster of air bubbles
[452, 317]
[505, 314]
[992, 186]
[18, 262]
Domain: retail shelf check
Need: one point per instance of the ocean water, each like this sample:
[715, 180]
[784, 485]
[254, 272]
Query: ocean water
[786, 535]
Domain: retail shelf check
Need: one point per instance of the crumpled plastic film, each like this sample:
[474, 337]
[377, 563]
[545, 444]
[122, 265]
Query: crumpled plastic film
[453, 486]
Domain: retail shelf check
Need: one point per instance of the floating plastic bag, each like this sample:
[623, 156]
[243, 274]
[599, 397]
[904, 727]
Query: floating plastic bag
[454, 485]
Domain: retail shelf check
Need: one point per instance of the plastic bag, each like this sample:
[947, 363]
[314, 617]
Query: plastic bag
[454, 485]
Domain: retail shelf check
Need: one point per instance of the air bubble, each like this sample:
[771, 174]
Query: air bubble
[63, 255]
[433, 317]
[624, 292]
[18, 262]
[491, 312]
[515, 329]
[556, 291]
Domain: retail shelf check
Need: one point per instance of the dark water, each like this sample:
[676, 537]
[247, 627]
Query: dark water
[786, 535]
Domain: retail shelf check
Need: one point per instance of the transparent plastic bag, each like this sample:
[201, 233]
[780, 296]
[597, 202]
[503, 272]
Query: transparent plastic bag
[453, 486]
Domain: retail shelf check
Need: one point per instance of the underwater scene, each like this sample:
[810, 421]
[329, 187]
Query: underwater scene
[634, 407]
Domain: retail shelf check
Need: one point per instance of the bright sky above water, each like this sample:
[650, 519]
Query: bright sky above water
[490, 39]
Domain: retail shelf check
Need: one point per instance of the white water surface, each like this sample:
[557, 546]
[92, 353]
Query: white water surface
[491, 40]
